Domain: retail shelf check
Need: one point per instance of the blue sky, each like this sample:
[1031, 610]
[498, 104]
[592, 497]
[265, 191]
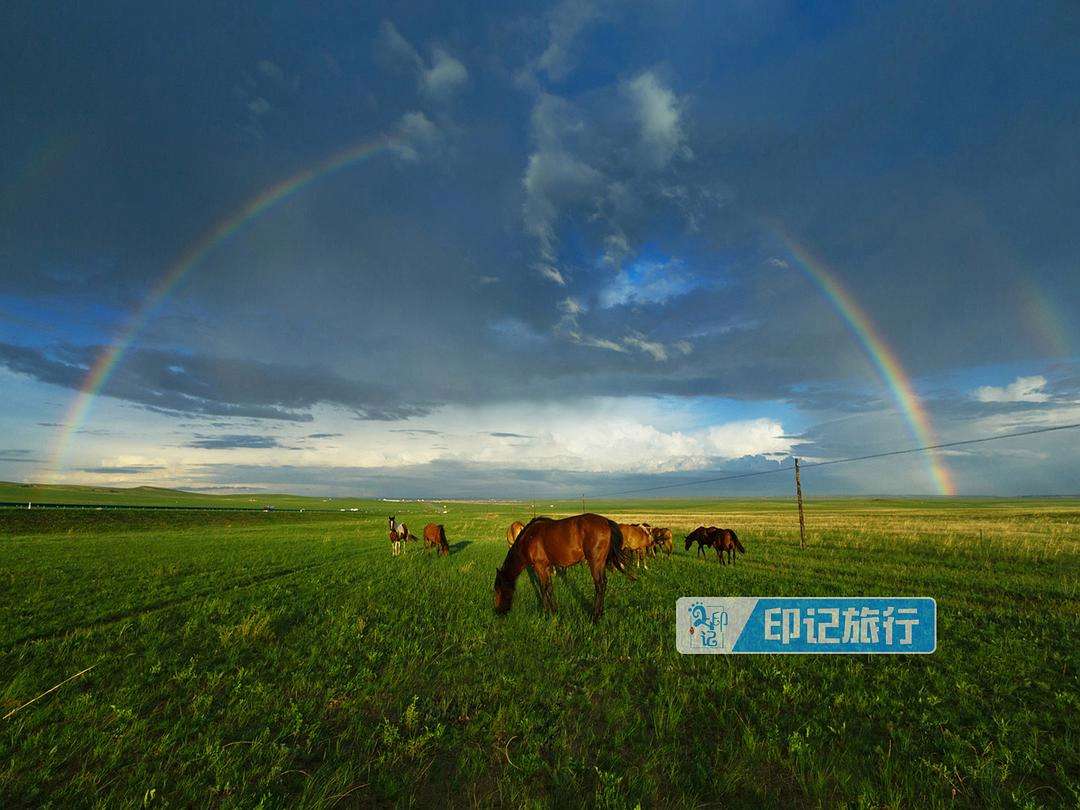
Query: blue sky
[566, 272]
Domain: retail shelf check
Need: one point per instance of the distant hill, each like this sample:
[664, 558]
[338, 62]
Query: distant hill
[16, 493]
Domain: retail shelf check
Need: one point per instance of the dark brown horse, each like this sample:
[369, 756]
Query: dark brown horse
[545, 544]
[725, 540]
[700, 535]
[720, 539]
[435, 537]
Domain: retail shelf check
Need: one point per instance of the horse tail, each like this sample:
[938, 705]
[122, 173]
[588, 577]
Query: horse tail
[618, 556]
[738, 545]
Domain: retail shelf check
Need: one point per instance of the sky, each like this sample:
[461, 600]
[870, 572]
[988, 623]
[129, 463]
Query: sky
[539, 250]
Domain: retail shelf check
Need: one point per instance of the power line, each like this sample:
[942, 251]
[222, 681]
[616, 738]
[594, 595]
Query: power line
[805, 465]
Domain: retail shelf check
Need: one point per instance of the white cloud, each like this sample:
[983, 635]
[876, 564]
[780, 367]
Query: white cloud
[571, 306]
[1022, 389]
[657, 351]
[417, 135]
[551, 273]
[396, 51]
[565, 23]
[595, 342]
[657, 112]
[605, 435]
[753, 437]
[616, 249]
[437, 81]
[445, 77]
[554, 179]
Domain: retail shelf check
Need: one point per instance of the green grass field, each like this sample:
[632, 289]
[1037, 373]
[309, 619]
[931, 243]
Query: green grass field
[279, 660]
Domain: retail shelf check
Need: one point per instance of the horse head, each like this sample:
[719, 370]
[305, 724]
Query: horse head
[504, 592]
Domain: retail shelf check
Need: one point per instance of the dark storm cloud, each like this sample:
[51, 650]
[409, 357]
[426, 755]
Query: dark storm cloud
[179, 383]
[500, 435]
[18, 456]
[236, 441]
[324, 435]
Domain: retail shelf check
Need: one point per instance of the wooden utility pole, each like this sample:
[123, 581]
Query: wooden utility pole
[798, 497]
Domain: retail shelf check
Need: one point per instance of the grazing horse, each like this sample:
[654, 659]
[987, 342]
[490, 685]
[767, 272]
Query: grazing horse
[513, 531]
[544, 544]
[662, 541]
[636, 538]
[701, 536]
[395, 542]
[435, 537]
[726, 540]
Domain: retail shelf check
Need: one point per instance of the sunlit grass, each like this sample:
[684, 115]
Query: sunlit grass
[290, 660]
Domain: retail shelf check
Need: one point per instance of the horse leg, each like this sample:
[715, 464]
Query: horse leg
[547, 589]
[599, 577]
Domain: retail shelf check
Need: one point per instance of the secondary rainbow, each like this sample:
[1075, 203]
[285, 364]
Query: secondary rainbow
[881, 355]
[110, 357]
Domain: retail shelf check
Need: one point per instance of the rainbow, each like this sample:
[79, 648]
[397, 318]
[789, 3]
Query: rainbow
[107, 361]
[881, 355]
[1045, 318]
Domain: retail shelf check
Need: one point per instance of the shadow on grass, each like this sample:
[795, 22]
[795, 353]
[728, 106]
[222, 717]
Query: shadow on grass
[460, 545]
[579, 596]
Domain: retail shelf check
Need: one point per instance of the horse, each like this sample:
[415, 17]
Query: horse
[545, 543]
[662, 541]
[636, 538]
[727, 540]
[431, 536]
[701, 536]
[435, 537]
[513, 531]
[395, 542]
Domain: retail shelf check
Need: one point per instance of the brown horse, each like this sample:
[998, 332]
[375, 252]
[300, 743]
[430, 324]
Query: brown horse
[435, 537]
[513, 531]
[663, 540]
[725, 540]
[637, 539]
[545, 544]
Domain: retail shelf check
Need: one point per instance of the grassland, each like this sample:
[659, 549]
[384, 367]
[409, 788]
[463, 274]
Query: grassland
[277, 659]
